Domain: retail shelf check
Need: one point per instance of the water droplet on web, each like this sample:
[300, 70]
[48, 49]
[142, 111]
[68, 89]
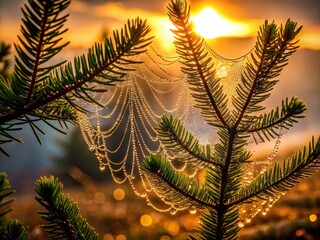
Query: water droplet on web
[102, 167]
[173, 211]
[241, 224]
[143, 194]
[193, 209]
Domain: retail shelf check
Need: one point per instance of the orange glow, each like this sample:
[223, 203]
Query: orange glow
[172, 227]
[310, 38]
[161, 28]
[121, 237]
[209, 24]
[108, 237]
[165, 237]
[300, 232]
[146, 220]
[313, 218]
[119, 194]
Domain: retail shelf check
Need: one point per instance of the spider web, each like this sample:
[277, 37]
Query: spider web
[121, 130]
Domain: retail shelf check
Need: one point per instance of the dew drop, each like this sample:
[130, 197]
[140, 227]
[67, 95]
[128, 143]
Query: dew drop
[173, 211]
[248, 220]
[102, 167]
[241, 224]
[193, 209]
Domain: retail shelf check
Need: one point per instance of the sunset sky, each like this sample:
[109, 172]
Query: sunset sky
[89, 19]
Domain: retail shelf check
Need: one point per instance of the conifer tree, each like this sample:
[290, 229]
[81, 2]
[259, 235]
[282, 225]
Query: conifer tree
[222, 196]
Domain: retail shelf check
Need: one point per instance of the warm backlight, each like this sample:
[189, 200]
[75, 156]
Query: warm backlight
[209, 24]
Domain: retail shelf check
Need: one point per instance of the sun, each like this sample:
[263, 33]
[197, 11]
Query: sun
[209, 24]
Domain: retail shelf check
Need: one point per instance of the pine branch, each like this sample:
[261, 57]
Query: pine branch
[41, 30]
[280, 179]
[182, 146]
[198, 66]
[10, 229]
[5, 191]
[209, 230]
[39, 91]
[62, 214]
[271, 53]
[265, 126]
[4, 59]
[72, 80]
[174, 187]
[13, 229]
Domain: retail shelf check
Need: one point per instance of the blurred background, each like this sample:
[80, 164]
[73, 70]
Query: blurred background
[113, 209]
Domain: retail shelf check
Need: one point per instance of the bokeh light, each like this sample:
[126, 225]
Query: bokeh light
[108, 237]
[146, 220]
[300, 232]
[165, 237]
[119, 194]
[313, 217]
[121, 237]
[172, 227]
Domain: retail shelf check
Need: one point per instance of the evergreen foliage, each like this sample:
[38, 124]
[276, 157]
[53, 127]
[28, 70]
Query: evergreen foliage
[222, 193]
[41, 90]
[5, 191]
[10, 229]
[62, 214]
[4, 59]
[13, 229]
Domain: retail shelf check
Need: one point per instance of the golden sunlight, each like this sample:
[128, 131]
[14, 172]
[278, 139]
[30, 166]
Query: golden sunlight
[209, 24]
